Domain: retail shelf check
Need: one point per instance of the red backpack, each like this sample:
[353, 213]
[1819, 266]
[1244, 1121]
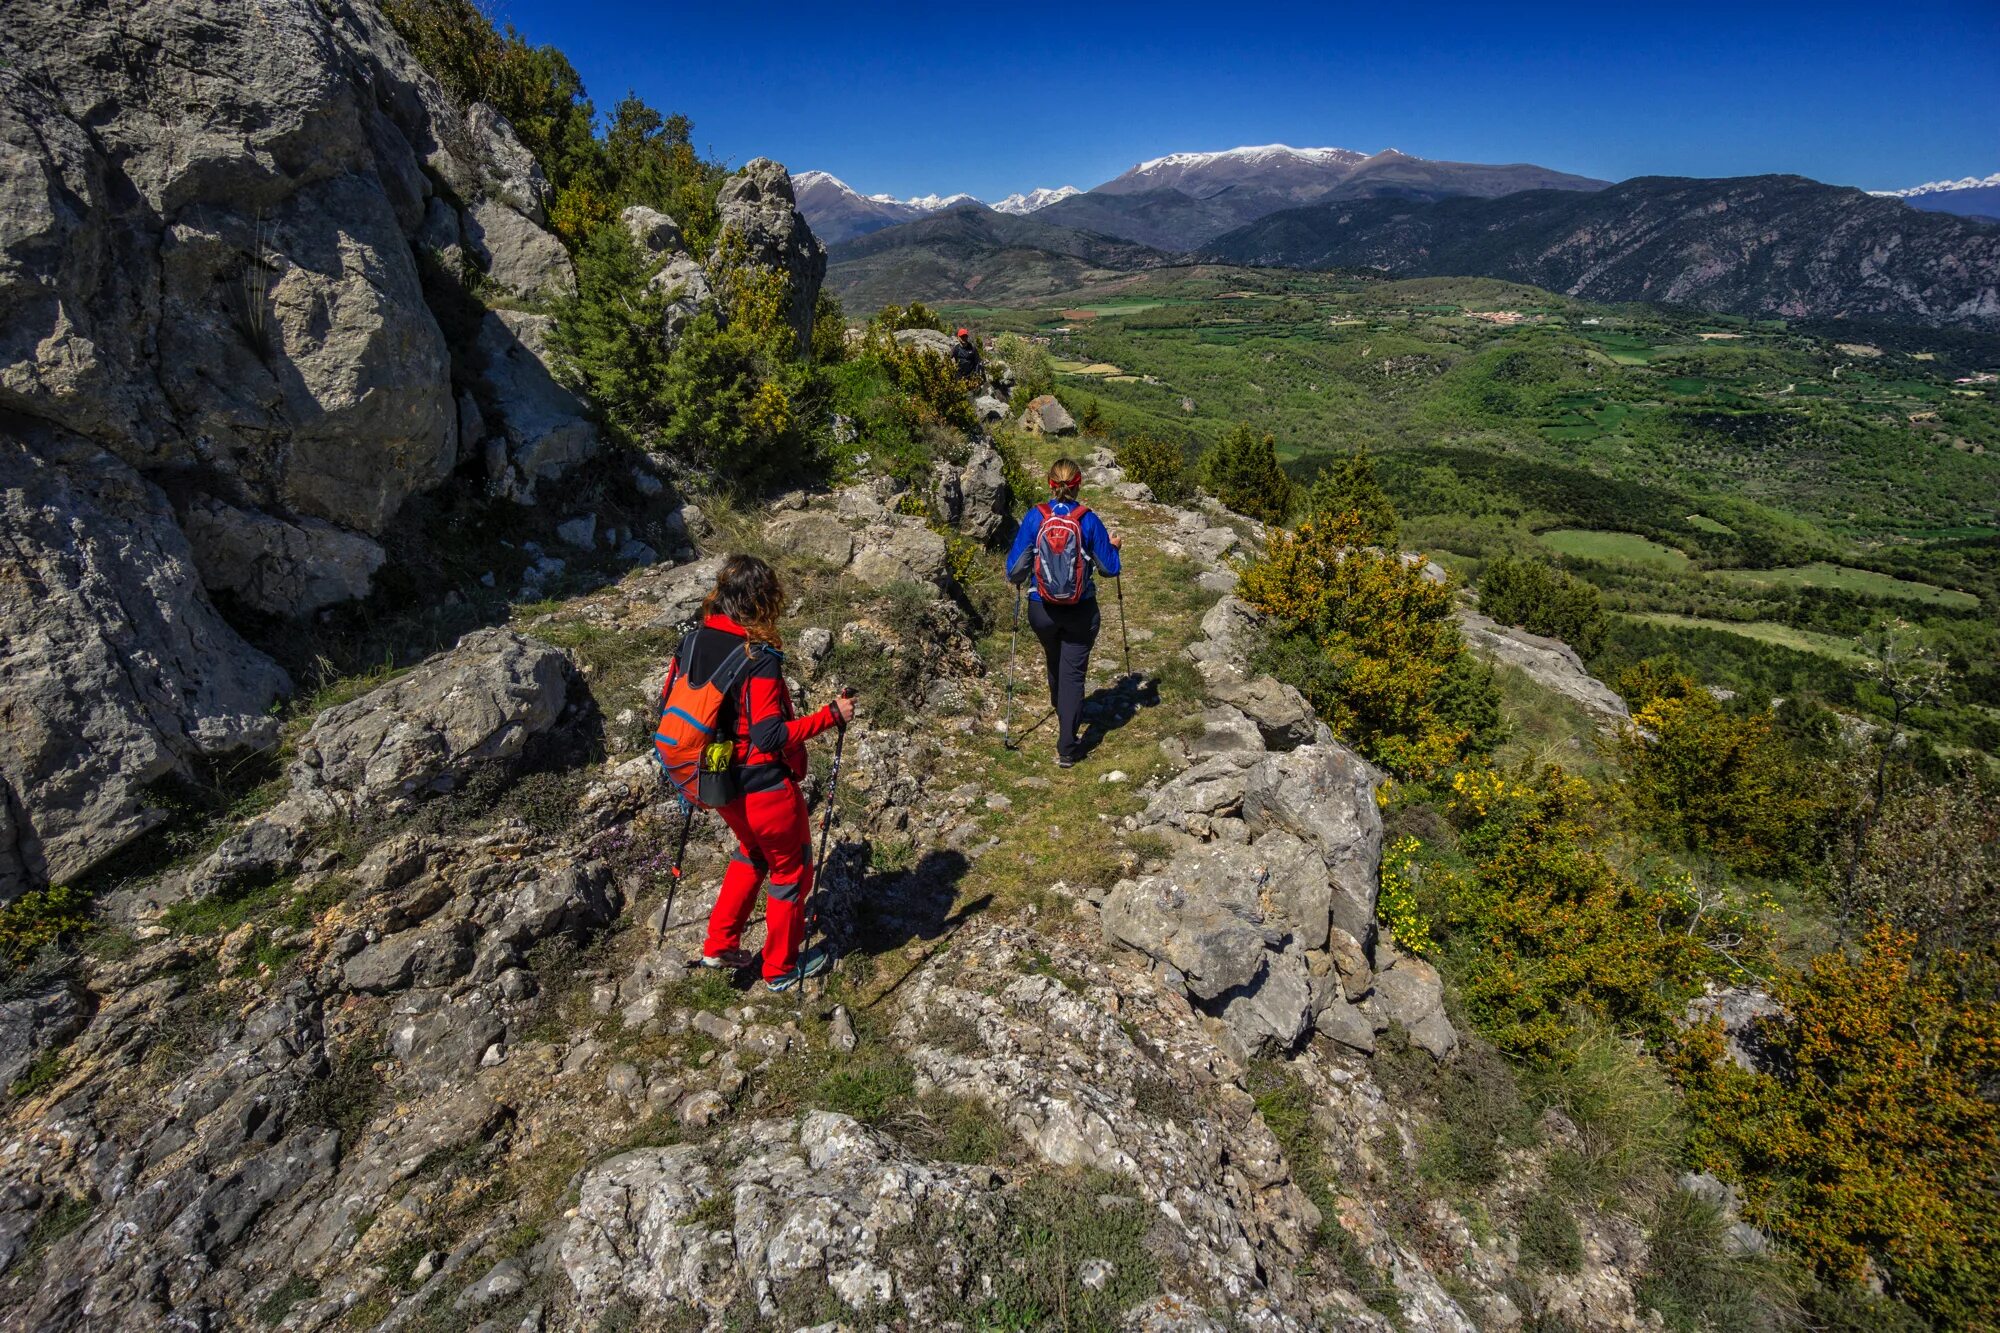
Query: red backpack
[690, 712]
[1062, 569]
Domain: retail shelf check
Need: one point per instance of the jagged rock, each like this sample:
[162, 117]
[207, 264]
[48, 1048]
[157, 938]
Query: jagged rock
[118, 671]
[1227, 733]
[685, 285]
[760, 214]
[925, 340]
[546, 429]
[1046, 416]
[1741, 1010]
[988, 499]
[222, 279]
[1325, 794]
[814, 534]
[1409, 992]
[579, 533]
[33, 1024]
[677, 591]
[503, 1281]
[1228, 628]
[1347, 1023]
[652, 231]
[1283, 717]
[988, 408]
[285, 568]
[1550, 663]
[505, 226]
[1232, 921]
[900, 553]
[424, 732]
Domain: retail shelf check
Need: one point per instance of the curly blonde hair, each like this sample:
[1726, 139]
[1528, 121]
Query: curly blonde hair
[749, 592]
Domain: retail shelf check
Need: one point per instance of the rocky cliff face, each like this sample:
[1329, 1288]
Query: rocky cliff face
[222, 228]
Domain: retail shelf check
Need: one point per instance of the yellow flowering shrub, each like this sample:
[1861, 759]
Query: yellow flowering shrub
[1381, 638]
[1397, 906]
[1875, 1150]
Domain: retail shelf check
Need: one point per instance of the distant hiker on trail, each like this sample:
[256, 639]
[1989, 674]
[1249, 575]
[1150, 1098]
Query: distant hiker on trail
[1057, 553]
[751, 763]
[965, 355]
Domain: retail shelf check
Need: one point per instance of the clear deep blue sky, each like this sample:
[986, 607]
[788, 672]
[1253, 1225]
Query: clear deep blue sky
[991, 98]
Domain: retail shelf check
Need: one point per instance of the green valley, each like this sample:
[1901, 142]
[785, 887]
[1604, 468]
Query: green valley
[1750, 496]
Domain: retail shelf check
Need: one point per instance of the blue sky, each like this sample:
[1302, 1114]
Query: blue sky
[992, 98]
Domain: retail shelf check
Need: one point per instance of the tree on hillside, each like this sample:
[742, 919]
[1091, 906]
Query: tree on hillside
[1349, 487]
[915, 315]
[1242, 470]
[1543, 600]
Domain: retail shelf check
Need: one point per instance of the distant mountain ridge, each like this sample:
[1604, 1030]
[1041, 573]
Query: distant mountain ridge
[1969, 196]
[838, 212]
[1756, 245]
[1181, 201]
[972, 250]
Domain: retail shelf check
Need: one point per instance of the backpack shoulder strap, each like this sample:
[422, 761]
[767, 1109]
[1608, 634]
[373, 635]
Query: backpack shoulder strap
[1046, 510]
[1079, 513]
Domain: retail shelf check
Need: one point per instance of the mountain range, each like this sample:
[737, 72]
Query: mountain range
[1972, 196]
[1757, 245]
[1760, 245]
[1184, 200]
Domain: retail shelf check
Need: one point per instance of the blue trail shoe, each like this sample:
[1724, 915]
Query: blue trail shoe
[811, 963]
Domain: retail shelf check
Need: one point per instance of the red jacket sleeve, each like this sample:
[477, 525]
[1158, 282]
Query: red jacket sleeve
[773, 732]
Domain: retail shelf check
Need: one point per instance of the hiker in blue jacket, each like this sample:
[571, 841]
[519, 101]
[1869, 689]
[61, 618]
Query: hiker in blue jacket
[1060, 548]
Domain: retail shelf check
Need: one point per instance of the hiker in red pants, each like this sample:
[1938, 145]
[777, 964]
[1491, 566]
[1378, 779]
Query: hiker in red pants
[768, 814]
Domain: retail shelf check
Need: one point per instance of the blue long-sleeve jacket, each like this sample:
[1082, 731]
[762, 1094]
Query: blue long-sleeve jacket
[1097, 547]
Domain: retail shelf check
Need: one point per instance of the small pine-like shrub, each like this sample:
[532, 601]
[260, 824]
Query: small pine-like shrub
[1242, 470]
[1161, 466]
[1349, 487]
[1544, 601]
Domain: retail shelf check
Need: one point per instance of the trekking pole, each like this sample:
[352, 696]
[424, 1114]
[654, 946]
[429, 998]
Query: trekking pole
[1118, 582]
[1013, 644]
[819, 864]
[674, 874]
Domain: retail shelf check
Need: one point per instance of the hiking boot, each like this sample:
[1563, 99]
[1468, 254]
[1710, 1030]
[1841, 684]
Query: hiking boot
[732, 960]
[1063, 761]
[811, 963]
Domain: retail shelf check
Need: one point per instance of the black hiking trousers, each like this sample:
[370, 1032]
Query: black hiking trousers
[1067, 634]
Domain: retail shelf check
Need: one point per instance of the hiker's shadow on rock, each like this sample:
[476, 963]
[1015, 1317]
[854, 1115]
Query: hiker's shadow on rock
[1111, 706]
[885, 909]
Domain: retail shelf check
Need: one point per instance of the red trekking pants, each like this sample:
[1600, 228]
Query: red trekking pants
[774, 840]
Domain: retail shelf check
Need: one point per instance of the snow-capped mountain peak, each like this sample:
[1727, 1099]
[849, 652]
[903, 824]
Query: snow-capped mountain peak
[1032, 201]
[1943, 187]
[931, 203]
[1260, 153]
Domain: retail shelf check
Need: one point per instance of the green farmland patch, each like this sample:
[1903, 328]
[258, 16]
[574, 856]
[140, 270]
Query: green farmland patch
[1593, 544]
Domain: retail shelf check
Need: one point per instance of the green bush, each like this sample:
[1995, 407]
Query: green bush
[1243, 472]
[1544, 601]
[38, 919]
[1349, 487]
[915, 315]
[1160, 466]
[1034, 370]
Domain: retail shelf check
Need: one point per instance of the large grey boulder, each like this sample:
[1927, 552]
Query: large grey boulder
[284, 568]
[1550, 663]
[207, 267]
[1282, 715]
[925, 340]
[820, 1198]
[1046, 416]
[813, 534]
[680, 277]
[506, 224]
[761, 220]
[1233, 921]
[1325, 794]
[425, 732]
[986, 500]
[1409, 993]
[546, 428]
[905, 552]
[115, 670]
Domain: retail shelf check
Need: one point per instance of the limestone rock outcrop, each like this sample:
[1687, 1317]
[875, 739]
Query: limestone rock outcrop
[115, 670]
[760, 214]
[1550, 663]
